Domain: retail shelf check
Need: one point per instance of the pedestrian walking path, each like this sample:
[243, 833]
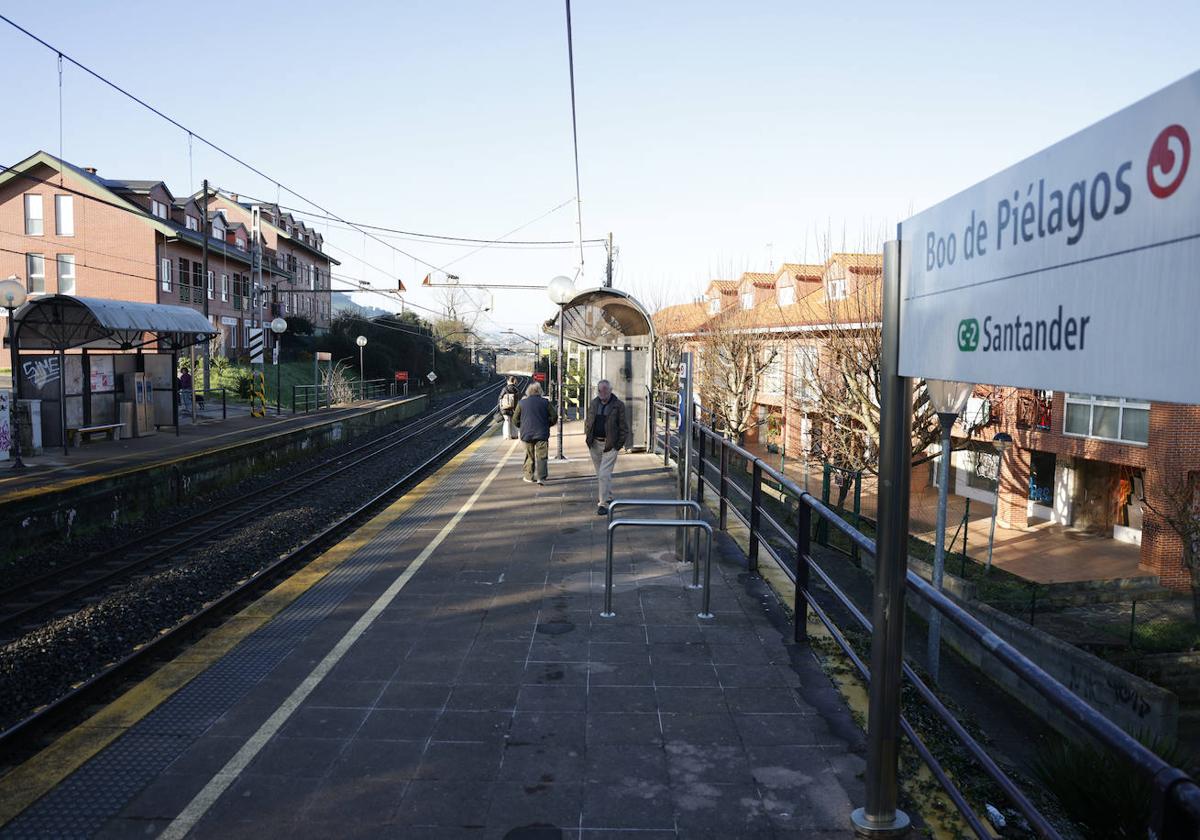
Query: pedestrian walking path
[452, 677]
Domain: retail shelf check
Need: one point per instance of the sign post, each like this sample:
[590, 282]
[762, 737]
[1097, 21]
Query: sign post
[402, 376]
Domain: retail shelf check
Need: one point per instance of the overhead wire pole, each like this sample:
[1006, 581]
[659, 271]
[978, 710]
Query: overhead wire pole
[207, 287]
[575, 140]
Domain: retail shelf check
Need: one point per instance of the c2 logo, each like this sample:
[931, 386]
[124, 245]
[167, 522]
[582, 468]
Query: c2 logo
[968, 334]
[1168, 161]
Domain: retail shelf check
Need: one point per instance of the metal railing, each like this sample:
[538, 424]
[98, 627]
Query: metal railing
[306, 398]
[202, 395]
[1176, 801]
[697, 524]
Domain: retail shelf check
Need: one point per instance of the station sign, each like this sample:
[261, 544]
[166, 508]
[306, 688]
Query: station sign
[1077, 269]
[401, 376]
[324, 356]
[431, 376]
[539, 377]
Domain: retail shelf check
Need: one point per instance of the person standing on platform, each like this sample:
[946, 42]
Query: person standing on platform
[534, 417]
[606, 431]
[509, 395]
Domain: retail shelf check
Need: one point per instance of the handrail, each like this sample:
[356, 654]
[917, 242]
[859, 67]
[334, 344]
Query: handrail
[1177, 797]
[700, 524]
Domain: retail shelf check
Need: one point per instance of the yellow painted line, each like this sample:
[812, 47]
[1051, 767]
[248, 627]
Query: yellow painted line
[28, 782]
[69, 483]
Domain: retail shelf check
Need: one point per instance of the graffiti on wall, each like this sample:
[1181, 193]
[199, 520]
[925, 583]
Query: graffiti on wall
[42, 372]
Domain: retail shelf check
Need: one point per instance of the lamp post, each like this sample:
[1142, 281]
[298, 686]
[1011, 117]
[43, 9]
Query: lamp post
[12, 296]
[948, 400]
[279, 327]
[1001, 441]
[361, 341]
[561, 291]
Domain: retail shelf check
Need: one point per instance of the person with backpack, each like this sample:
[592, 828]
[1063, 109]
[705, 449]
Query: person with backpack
[508, 404]
[534, 417]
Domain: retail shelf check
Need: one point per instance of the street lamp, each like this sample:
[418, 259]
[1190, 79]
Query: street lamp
[361, 341]
[948, 399]
[1001, 441]
[561, 291]
[279, 327]
[12, 296]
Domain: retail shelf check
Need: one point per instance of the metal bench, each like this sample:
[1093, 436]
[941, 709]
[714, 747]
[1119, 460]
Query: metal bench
[76, 437]
[705, 612]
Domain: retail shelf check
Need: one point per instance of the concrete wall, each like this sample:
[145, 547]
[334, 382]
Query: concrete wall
[134, 494]
[1132, 703]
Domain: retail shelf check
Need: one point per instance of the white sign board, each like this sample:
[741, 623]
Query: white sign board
[431, 376]
[257, 340]
[1077, 269]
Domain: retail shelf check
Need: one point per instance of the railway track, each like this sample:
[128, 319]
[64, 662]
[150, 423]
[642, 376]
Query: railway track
[102, 684]
[65, 587]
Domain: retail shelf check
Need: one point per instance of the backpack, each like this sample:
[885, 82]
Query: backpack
[508, 401]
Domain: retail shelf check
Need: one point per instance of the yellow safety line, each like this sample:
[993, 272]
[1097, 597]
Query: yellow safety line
[28, 782]
[69, 483]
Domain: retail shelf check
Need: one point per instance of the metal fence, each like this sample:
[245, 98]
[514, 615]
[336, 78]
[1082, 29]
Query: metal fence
[720, 468]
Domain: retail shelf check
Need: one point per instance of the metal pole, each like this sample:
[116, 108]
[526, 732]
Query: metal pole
[880, 817]
[14, 403]
[278, 375]
[803, 550]
[62, 398]
[723, 507]
[755, 513]
[995, 507]
[686, 421]
[933, 652]
[559, 376]
[204, 260]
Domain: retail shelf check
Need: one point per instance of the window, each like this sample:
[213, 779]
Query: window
[35, 273]
[157, 208]
[66, 274]
[225, 287]
[197, 281]
[748, 300]
[192, 223]
[185, 269]
[804, 371]
[714, 306]
[772, 375]
[835, 288]
[237, 291]
[241, 243]
[218, 228]
[164, 273]
[210, 285]
[64, 215]
[787, 295]
[33, 214]
[1107, 418]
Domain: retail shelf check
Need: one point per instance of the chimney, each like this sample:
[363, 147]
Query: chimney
[91, 170]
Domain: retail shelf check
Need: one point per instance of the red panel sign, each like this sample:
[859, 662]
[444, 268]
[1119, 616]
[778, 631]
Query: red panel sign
[539, 377]
[401, 376]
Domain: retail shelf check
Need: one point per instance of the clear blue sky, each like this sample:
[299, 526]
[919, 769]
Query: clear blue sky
[707, 130]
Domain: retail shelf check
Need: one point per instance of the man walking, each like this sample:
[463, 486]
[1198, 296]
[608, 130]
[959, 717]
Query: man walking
[507, 404]
[534, 416]
[606, 431]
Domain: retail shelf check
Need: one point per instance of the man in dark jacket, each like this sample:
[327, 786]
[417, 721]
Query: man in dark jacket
[534, 417]
[605, 432]
[507, 403]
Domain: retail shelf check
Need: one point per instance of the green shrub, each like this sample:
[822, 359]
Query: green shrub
[1100, 792]
[1166, 635]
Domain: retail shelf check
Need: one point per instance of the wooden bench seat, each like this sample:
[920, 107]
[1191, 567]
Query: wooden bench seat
[76, 437]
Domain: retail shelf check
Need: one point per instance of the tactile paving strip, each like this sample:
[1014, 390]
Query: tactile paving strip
[97, 791]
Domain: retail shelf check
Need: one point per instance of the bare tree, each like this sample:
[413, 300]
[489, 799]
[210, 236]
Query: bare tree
[732, 360]
[1176, 500]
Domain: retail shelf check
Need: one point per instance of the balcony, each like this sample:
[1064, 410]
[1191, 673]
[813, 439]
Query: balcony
[1035, 410]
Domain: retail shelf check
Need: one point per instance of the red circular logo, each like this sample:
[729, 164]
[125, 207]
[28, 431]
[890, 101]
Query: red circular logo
[1168, 161]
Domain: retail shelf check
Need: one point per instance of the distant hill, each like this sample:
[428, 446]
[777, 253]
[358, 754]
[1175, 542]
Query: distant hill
[341, 302]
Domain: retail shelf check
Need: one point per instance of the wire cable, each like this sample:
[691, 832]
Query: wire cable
[575, 134]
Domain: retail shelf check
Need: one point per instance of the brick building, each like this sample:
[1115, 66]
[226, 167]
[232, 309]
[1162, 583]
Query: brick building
[1093, 463]
[66, 229]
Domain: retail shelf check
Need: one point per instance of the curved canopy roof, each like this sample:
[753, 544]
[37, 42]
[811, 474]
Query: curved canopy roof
[64, 322]
[604, 317]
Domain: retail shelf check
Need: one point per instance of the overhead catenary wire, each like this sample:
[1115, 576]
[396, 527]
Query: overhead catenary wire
[575, 135]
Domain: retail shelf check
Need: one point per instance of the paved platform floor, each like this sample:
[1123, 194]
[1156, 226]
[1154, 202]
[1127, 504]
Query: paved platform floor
[453, 678]
[51, 468]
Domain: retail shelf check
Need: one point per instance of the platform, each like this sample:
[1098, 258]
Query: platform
[52, 470]
[451, 676]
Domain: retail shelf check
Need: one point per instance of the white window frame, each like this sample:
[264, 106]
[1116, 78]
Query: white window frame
[714, 306]
[772, 375]
[241, 243]
[59, 261]
[211, 282]
[35, 223]
[786, 295]
[806, 360]
[748, 300]
[218, 228]
[64, 210]
[836, 289]
[192, 223]
[32, 259]
[1119, 403]
[225, 288]
[165, 266]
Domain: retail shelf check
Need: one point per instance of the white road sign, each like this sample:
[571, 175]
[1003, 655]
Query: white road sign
[1077, 269]
[257, 339]
[431, 376]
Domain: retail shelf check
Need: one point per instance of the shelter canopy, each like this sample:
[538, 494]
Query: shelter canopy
[604, 317]
[65, 322]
